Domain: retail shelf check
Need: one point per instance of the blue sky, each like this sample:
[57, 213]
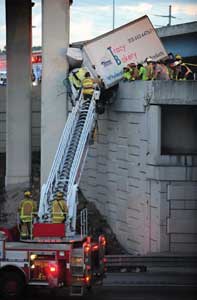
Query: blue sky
[90, 18]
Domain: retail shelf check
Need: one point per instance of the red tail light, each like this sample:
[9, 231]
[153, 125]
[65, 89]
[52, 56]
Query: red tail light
[102, 240]
[86, 247]
[95, 247]
[53, 269]
[87, 279]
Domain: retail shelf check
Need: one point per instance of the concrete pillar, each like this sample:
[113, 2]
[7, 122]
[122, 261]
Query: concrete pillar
[55, 40]
[18, 149]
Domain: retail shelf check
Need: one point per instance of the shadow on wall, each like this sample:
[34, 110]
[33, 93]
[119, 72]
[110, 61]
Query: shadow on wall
[97, 225]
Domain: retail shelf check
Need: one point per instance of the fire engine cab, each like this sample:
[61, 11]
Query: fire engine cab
[58, 255]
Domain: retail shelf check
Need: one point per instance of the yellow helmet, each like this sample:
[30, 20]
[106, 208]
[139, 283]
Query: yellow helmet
[149, 59]
[27, 193]
[178, 56]
[59, 194]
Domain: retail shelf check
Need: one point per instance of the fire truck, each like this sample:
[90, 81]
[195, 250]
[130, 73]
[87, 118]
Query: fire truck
[58, 254]
[77, 264]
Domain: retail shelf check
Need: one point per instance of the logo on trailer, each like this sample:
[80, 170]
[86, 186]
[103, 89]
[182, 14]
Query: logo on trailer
[105, 62]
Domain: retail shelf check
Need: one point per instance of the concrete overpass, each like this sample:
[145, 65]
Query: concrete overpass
[181, 38]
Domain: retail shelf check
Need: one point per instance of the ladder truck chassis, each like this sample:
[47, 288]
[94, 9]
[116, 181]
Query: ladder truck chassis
[77, 264]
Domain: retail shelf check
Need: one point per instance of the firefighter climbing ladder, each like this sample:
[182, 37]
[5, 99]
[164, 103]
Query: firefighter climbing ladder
[69, 162]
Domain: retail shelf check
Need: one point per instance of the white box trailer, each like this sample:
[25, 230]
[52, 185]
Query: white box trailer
[130, 43]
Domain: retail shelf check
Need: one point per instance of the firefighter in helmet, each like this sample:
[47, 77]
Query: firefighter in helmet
[59, 209]
[27, 210]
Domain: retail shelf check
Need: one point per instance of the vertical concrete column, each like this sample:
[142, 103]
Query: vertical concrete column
[18, 149]
[55, 40]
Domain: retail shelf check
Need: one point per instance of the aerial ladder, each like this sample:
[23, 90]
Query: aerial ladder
[68, 164]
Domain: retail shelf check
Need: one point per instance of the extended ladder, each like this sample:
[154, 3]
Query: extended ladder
[69, 161]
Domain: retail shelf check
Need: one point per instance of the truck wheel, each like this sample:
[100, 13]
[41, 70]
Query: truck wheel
[11, 285]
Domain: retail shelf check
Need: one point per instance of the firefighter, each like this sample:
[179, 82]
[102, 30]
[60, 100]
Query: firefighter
[76, 78]
[185, 72]
[150, 68]
[133, 71]
[126, 74]
[174, 70]
[161, 71]
[80, 74]
[59, 209]
[73, 80]
[142, 72]
[27, 211]
[88, 86]
[178, 57]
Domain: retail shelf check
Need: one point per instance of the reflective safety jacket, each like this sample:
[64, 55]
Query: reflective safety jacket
[74, 81]
[81, 74]
[26, 209]
[25, 230]
[88, 86]
[127, 75]
[59, 211]
[143, 73]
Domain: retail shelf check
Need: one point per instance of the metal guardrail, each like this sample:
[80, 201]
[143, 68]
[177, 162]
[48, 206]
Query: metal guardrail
[115, 262]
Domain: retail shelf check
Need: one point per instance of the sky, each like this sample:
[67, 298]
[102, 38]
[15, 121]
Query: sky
[90, 18]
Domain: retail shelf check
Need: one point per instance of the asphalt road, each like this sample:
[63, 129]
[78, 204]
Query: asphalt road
[134, 286]
[155, 279]
[120, 293]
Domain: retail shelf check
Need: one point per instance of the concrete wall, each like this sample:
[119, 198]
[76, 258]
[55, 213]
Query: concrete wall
[35, 119]
[149, 199]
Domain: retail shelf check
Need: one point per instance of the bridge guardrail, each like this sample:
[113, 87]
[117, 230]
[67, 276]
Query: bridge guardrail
[142, 263]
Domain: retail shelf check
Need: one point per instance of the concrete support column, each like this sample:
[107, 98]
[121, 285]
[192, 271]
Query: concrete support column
[18, 148]
[55, 40]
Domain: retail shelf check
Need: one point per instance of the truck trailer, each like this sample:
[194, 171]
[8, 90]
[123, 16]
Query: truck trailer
[133, 42]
